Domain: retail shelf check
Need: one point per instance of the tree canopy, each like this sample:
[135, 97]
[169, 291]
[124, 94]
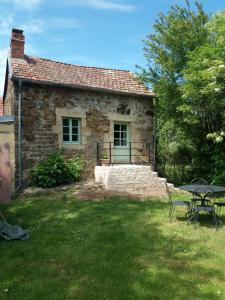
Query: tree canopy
[186, 68]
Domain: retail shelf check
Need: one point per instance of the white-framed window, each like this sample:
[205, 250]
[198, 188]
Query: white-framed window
[71, 130]
[120, 134]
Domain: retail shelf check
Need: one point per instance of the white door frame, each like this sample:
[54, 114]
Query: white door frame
[121, 142]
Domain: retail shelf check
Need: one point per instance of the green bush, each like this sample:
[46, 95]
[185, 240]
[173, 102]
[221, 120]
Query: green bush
[75, 167]
[56, 169]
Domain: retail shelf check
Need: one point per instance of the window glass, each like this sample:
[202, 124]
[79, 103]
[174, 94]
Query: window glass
[75, 122]
[71, 130]
[123, 142]
[66, 130]
[66, 138]
[123, 135]
[120, 134]
[65, 122]
[123, 127]
[116, 135]
[75, 138]
[75, 130]
[116, 127]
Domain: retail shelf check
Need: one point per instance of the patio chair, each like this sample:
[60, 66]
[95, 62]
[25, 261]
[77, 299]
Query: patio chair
[206, 208]
[174, 203]
[200, 181]
[219, 204]
[197, 208]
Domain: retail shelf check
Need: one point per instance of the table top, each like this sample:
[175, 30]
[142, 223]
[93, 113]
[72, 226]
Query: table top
[202, 188]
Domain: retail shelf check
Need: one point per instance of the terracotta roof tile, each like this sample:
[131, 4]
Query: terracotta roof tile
[52, 72]
[1, 106]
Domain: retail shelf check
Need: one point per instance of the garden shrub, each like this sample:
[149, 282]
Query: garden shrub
[56, 169]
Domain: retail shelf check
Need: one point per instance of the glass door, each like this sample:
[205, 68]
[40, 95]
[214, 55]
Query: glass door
[121, 143]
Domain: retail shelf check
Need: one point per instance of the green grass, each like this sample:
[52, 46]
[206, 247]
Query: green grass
[114, 249]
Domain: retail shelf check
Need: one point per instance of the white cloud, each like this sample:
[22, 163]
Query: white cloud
[38, 25]
[33, 26]
[63, 23]
[3, 59]
[81, 60]
[27, 4]
[6, 24]
[103, 4]
[24, 4]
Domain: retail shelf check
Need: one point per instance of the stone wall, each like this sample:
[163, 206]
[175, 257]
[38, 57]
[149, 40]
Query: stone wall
[44, 106]
[9, 99]
[7, 160]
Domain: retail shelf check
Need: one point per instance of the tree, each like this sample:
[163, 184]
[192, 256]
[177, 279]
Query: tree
[166, 51]
[203, 91]
[203, 98]
[217, 29]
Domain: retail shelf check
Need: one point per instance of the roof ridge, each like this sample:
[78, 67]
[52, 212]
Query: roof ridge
[77, 65]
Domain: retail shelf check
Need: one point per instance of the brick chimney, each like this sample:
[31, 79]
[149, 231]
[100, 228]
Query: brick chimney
[17, 43]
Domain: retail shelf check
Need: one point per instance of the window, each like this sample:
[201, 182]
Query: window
[71, 131]
[120, 134]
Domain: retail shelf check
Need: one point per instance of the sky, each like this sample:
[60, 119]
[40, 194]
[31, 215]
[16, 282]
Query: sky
[101, 33]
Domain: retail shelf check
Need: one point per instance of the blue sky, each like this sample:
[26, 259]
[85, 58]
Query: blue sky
[104, 33]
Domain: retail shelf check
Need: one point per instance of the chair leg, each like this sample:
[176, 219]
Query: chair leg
[171, 212]
[196, 218]
[190, 215]
[189, 208]
[217, 209]
[214, 218]
[217, 216]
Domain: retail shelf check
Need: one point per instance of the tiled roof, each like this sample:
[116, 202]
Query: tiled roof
[1, 106]
[52, 72]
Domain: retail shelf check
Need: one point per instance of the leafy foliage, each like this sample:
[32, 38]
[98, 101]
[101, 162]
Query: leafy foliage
[203, 99]
[56, 169]
[166, 52]
[175, 153]
[185, 67]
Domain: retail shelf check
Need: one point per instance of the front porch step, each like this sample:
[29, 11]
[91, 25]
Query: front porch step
[131, 178]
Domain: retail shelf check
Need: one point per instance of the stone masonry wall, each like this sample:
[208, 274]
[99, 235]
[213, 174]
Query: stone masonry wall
[8, 104]
[44, 106]
[7, 161]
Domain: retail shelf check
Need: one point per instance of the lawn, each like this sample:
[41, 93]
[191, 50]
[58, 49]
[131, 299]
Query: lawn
[112, 249]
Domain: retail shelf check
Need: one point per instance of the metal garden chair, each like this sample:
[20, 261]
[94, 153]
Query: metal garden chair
[200, 181]
[197, 208]
[175, 203]
[219, 204]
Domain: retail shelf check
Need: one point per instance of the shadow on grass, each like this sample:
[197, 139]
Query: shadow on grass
[114, 249]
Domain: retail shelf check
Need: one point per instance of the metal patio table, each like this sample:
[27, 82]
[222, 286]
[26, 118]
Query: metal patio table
[202, 192]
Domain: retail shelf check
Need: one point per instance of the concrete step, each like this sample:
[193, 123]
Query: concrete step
[130, 178]
[170, 185]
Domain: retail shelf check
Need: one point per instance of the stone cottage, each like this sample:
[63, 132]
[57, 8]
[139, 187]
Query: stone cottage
[85, 110]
